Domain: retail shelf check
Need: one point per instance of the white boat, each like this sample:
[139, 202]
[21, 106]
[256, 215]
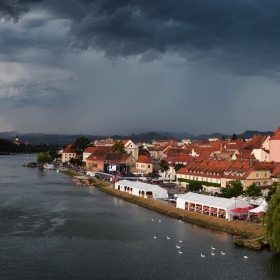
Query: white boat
[48, 166]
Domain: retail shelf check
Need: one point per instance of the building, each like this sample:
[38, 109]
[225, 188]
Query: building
[274, 146]
[68, 153]
[144, 165]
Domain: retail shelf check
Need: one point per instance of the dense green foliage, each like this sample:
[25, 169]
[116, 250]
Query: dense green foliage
[178, 166]
[202, 182]
[163, 166]
[233, 188]
[81, 144]
[195, 186]
[44, 158]
[234, 137]
[118, 146]
[7, 146]
[271, 192]
[253, 190]
[152, 175]
[76, 161]
[271, 220]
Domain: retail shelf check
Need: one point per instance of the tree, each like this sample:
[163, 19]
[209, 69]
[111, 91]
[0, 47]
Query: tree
[163, 166]
[233, 188]
[44, 158]
[270, 220]
[76, 161]
[178, 166]
[194, 186]
[223, 138]
[81, 144]
[234, 137]
[118, 146]
[253, 190]
[152, 175]
[272, 191]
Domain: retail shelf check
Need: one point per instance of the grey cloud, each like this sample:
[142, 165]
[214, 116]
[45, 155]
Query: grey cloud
[226, 31]
[14, 8]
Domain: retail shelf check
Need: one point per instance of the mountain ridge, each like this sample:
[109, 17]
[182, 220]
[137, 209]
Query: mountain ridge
[64, 139]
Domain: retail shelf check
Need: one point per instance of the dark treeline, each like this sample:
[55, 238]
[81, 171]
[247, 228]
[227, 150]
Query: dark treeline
[7, 146]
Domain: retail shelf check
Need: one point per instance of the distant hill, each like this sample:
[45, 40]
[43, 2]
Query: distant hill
[250, 133]
[177, 135]
[64, 139]
[144, 137]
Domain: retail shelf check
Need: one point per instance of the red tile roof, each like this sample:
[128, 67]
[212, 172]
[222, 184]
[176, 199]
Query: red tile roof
[276, 135]
[144, 159]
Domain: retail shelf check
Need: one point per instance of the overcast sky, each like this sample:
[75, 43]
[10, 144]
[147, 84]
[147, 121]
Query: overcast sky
[108, 67]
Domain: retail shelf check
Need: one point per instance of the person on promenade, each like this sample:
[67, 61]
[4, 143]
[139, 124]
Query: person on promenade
[235, 232]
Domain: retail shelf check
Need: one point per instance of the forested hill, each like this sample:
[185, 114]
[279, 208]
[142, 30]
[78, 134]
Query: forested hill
[7, 146]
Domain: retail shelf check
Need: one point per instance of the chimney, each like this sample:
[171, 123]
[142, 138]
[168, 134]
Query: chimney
[251, 162]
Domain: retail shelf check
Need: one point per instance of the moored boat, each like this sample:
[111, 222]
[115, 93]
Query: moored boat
[48, 166]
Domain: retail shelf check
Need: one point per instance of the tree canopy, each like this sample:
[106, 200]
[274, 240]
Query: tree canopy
[118, 146]
[44, 158]
[270, 220]
[81, 144]
[234, 137]
[194, 186]
[253, 190]
[233, 188]
[163, 166]
[178, 166]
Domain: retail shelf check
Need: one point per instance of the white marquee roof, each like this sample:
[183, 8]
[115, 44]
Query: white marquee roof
[139, 185]
[212, 201]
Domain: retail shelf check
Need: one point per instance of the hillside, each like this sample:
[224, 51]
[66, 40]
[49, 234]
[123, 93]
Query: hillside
[64, 139]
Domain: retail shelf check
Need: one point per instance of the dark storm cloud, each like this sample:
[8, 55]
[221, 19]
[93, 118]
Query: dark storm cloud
[233, 34]
[14, 8]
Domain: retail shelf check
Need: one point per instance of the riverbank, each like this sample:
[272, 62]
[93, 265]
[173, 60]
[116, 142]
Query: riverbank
[244, 229]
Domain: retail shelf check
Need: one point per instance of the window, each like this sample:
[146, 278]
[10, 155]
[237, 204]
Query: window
[257, 175]
[148, 166]
[265, 174]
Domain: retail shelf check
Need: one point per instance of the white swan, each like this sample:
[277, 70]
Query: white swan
[180, 252]
[180, 241]
[178, 247]
[212, 248]
[203, 256]
[212, 254]
[155, 237]
[223, 253]
[245, 257]
[159, 221]
[152, 220]
[167, 237]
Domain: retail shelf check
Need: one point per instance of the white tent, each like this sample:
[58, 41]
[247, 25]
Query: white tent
[211, 205]
[261, 208]
[141, 189]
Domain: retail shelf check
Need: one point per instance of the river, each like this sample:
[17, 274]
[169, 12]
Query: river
[53, 229]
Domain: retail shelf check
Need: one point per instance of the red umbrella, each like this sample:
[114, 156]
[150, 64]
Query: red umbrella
[246, 209]
[258, 213]
[237, 210]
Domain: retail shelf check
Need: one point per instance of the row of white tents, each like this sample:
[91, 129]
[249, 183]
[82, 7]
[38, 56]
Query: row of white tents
[211, 205]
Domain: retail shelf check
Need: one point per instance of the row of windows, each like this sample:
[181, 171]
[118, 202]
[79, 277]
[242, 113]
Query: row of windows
[143, 165]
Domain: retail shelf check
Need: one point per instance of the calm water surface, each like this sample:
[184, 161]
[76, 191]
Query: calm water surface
[53, 229]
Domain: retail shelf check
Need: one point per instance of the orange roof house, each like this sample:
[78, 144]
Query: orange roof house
[144, 164]
[68, 153]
